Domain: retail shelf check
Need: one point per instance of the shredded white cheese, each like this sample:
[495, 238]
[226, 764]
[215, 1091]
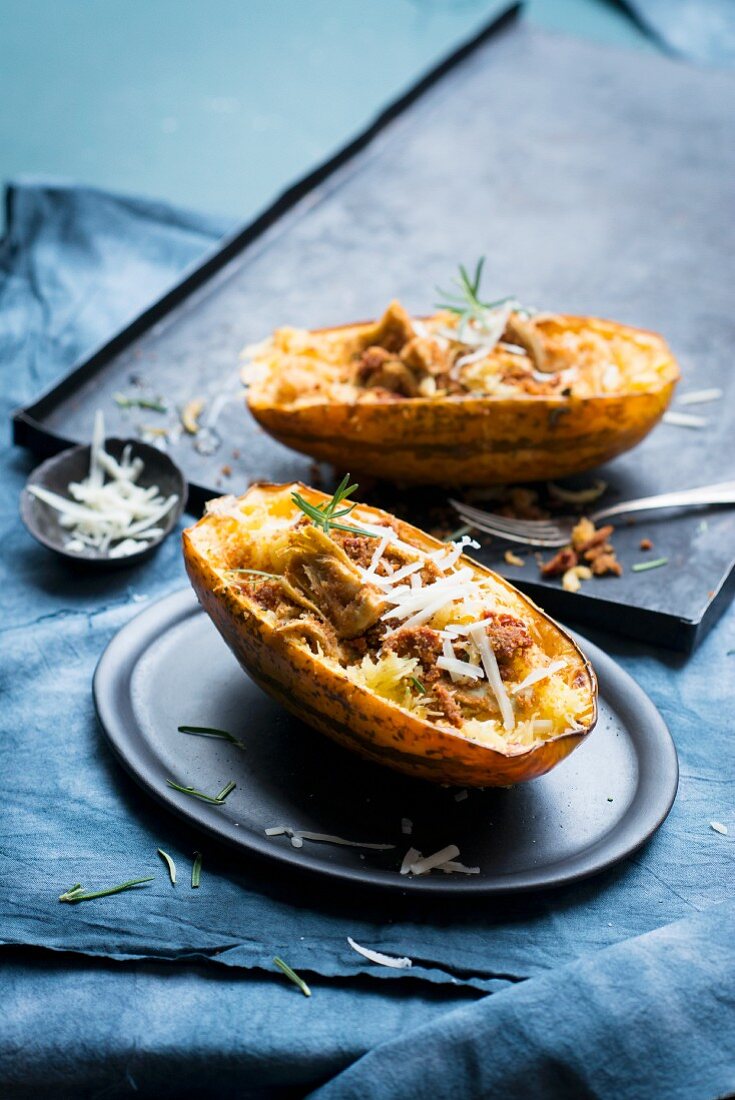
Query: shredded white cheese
[116, 517]
[718, 827]
[490, 664]
[700, 397]
[457, 669]
[452, 866]
[411, 856]
[379, 958]
[324, 838]
[428, 863]
[684, 420]
[415, 864]
[539, 674]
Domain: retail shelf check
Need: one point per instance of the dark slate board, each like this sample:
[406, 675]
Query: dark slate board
[594, 180]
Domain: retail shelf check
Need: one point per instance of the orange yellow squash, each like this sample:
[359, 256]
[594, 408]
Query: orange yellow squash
[504, 397]
[392, 643]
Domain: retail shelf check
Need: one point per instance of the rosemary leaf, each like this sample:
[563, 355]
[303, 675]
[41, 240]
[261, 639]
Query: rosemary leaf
[76, 893]
[155, 404]
[642, 566]
[227, 789]
[292, 976]
[417, 684]
[211, 731]
[169, 863]
[325, 515]
[465, 302]
[196, 870]
[215, 800]
[464, 530]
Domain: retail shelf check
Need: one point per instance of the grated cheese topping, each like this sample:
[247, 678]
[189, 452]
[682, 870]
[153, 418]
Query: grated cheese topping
[433, 587]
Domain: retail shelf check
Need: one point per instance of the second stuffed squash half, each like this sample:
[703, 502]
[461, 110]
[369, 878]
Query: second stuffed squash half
[478, 393]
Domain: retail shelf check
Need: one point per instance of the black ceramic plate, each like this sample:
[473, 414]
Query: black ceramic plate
[169, 667]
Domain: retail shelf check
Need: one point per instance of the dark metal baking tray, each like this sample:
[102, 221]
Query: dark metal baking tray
[169, 666]
[594, 180]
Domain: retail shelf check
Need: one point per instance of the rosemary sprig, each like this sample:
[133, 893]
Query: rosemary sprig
[76, 893]
[417, 684]
[292, 976]
[463, 530]
[326, 515]
[642, 566]
[215, 800]
[210, 731]
[155, 404]
[467, 303]
[169, 863]
[196, 870]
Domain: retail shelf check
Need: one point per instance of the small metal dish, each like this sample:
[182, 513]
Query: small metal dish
[56, 474]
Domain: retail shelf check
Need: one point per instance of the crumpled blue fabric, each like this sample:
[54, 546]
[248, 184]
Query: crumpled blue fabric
[700, 30]
[646, 1019]
[71, 814]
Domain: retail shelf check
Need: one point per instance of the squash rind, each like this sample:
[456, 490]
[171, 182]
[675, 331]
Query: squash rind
[470, 439]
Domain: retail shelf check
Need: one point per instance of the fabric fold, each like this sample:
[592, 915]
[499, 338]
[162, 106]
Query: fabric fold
[644, 1019]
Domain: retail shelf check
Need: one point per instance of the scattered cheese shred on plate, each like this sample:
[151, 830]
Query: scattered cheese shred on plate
[452, 866]
[324, 838]
[700, 397]
[684, 420]
[411, 856]
[379, 958]
[718, 827]
[428, 863]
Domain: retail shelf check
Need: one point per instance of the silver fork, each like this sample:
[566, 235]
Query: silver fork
[558, 531]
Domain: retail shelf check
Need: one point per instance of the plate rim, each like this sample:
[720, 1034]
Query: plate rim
[655, 753]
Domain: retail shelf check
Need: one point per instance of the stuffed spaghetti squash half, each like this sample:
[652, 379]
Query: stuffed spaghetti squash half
[392, 643]
[479, 393]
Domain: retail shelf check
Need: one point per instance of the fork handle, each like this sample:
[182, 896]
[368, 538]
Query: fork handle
[724, 493]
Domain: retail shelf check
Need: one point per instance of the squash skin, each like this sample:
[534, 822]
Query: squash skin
[472, 440]
[350, 714]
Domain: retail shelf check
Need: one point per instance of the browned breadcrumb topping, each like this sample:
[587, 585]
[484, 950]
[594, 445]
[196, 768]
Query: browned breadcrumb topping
[322, 600]
[392, 359]
[511, 558]
[446, 703]
[589, 545]
[507, 635]
[646, 544]
[420, 642]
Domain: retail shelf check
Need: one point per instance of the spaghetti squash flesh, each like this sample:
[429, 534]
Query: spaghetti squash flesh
[390, 613]
[434, 359]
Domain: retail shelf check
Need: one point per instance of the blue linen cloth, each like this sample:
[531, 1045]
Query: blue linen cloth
[74, 265]
[700, 30]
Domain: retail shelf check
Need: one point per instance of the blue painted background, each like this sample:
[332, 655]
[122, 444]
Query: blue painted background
[217, 105]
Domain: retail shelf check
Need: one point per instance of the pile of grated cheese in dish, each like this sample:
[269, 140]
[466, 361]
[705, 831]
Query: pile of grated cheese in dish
[108, 511]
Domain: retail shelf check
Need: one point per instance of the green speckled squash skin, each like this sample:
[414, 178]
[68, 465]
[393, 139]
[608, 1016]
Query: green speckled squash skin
[350, 714]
